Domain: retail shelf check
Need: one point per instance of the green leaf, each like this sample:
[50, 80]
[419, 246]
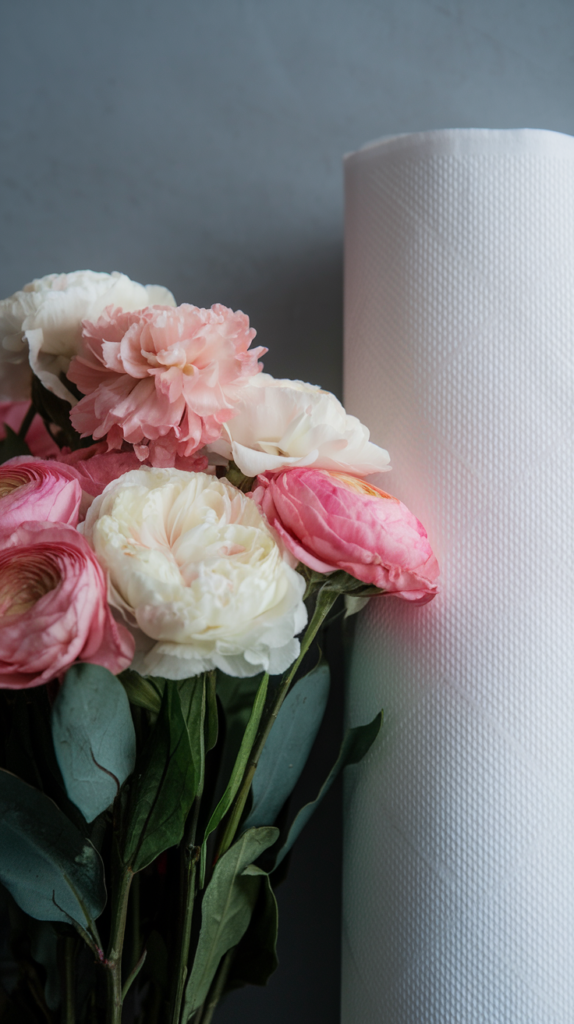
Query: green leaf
[143, 691]
[52, 871]
[193, 699]
[241, 760]
[288, 746]
[56, 410]
[94, 737]
[256, 956]
[355, 745]
[226, 910]
[211, 715]
[164, 787]
[44, 950]
[12, 445]
[236, 697]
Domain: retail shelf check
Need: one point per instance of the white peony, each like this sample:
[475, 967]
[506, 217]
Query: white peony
[41, 326]
[194, 565]
[284, 423]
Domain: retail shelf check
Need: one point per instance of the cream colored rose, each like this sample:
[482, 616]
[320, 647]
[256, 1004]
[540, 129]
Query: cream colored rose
[41, 326]
[194, 565]
[284, 423]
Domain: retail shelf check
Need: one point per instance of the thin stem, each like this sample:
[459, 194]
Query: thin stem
[189, 858]
[325, 601]
[113, 962]
[69, 994]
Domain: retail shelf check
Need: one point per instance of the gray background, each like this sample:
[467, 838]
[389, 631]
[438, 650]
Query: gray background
[198, 145]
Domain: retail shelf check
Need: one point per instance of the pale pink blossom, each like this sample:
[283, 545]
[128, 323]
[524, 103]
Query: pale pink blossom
[162, 379]
[333, 521]
[37, 437]
[36, 489]
[53, 607]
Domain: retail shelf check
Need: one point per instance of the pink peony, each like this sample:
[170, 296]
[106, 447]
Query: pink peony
[162, 379]
[37, 438]
[53, 607]
[36, 489]
[333, 521]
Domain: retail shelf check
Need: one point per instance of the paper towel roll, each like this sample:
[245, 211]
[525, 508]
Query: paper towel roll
[459, 349]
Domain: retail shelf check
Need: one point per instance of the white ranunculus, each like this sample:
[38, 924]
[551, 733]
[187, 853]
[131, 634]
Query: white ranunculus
[284, 423]
[41, 326]
[193, 564]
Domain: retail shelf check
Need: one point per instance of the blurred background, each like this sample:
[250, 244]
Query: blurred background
[197, 144]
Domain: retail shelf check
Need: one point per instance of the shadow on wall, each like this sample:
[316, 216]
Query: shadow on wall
[295, 305]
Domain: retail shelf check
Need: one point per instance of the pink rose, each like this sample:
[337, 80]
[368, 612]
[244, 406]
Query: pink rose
[53, 607]
[162, 379]
[37, 438]
[333, 521]
[39, 490]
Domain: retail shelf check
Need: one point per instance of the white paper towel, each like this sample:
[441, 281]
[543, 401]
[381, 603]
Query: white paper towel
[459, 351]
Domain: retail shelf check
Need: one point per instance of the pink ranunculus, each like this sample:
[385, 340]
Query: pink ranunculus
[37, 438]
[162, 379]
[37, 489]
[53, 607]
[95, 467]
[333, 521]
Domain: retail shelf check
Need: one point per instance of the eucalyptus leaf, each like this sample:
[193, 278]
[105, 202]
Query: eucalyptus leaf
[94, 737]
[241, 760]
[226, 910]
[355, 745]
[12, 445]
[164, 787]
[255, 959]
[44, 949]
[288, 746]
[52, 871]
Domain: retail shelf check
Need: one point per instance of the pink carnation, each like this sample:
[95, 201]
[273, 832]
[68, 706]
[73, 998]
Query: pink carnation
[162, 379]
[95, 467]
[39, 490]
[333, 521]
[37, 438]
[53, 607]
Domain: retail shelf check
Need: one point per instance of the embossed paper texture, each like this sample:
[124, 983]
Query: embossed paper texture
[459, 350]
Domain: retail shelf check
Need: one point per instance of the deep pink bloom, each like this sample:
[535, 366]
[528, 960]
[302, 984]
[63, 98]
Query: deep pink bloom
[334, 521]
[37, 489]
[53, 607]
[162, 379]
[38, 439]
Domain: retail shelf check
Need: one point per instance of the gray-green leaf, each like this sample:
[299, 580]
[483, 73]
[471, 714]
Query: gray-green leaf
[287, 748]
[355, 745]
[94, 737]
[226, 910]
[53, 873]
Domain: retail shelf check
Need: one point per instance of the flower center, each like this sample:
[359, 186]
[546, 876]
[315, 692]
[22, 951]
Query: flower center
[23, 581]
[10, 481]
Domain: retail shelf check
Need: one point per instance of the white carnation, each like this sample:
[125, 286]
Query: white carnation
[41, 326]
[193, 564]
[284, 423]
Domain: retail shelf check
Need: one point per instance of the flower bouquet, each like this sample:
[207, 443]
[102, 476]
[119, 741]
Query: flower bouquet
[176, 530]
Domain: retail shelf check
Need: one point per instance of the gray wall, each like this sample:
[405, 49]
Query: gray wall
[198, 145]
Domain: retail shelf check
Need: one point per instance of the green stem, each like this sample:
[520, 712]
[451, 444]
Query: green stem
[325, 600]
[190, 856]
[113, 961]
[69, 1000]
